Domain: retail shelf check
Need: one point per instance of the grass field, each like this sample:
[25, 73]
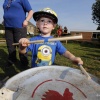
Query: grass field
[90, 54]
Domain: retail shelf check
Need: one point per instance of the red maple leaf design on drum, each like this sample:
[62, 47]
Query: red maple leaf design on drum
[54, 95]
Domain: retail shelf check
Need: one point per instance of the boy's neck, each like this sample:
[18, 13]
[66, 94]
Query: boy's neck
[45, 35]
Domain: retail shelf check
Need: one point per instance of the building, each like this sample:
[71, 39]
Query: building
[88, 35]
[31, 29]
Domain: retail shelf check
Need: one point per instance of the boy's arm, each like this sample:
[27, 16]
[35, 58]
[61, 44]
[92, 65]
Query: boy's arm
[74, 59]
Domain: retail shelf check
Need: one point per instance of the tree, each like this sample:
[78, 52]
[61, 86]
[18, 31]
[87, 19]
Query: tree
[54, 32]
[1, 27]
[96, 12]
[98, 28]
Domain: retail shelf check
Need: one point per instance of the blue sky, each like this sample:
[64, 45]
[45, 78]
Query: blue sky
[75, 14]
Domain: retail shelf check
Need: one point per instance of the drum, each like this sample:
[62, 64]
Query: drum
[50, 83]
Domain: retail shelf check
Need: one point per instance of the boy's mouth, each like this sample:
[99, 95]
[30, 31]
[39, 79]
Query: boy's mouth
[44, 27]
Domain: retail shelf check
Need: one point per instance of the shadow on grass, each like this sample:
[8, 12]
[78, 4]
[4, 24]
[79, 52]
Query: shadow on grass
[91, 56]
[5, 70]
[88, 49]
[3, 65]
[86, 43]
[90, 44]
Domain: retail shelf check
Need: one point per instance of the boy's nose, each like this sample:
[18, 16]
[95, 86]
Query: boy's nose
[45, 22]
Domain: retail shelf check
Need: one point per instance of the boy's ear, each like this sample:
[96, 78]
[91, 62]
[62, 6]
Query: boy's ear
[55, 25]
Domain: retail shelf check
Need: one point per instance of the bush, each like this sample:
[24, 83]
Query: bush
[2, 36]
[1, 27]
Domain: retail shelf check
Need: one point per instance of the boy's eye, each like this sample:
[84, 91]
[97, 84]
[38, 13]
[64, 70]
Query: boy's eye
[49, 21]
[42, 20]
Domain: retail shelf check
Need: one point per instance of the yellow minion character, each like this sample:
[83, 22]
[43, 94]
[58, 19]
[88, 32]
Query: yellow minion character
[44, 56]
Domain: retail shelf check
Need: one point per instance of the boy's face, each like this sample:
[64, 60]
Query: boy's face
[45, 25]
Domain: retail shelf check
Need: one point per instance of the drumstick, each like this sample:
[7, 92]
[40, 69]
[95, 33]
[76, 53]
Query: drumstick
[54, 39]
[84, 71]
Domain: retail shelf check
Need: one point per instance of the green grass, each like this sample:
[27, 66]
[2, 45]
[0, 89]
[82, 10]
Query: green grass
[90, 54]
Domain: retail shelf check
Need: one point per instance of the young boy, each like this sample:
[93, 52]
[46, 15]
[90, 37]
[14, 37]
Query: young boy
[43, 54]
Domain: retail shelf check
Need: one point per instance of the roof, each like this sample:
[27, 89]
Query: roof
[85, 31]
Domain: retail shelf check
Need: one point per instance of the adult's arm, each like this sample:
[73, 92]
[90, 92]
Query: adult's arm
[29, 16]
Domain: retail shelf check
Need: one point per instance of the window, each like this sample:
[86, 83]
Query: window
[95, 35]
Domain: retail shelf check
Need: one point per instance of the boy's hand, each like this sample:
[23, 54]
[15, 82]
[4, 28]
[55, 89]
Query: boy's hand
[23, 42]
[77, 60]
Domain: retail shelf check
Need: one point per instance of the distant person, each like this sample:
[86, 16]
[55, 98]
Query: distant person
[59, 31]
[15, 22]
[65, 30]
[43, 54]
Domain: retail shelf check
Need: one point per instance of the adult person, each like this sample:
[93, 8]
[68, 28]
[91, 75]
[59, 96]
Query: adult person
[15, 22]
[65, 30]
[43, 54]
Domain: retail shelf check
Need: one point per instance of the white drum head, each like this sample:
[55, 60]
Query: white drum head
[52, 83]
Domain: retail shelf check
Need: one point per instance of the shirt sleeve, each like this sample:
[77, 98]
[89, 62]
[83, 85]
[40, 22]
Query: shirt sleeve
[26, 5]
[60, 48]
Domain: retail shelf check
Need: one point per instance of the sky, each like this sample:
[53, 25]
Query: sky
[74, 14]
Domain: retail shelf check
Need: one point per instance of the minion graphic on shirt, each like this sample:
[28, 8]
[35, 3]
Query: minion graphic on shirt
[44, 56]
